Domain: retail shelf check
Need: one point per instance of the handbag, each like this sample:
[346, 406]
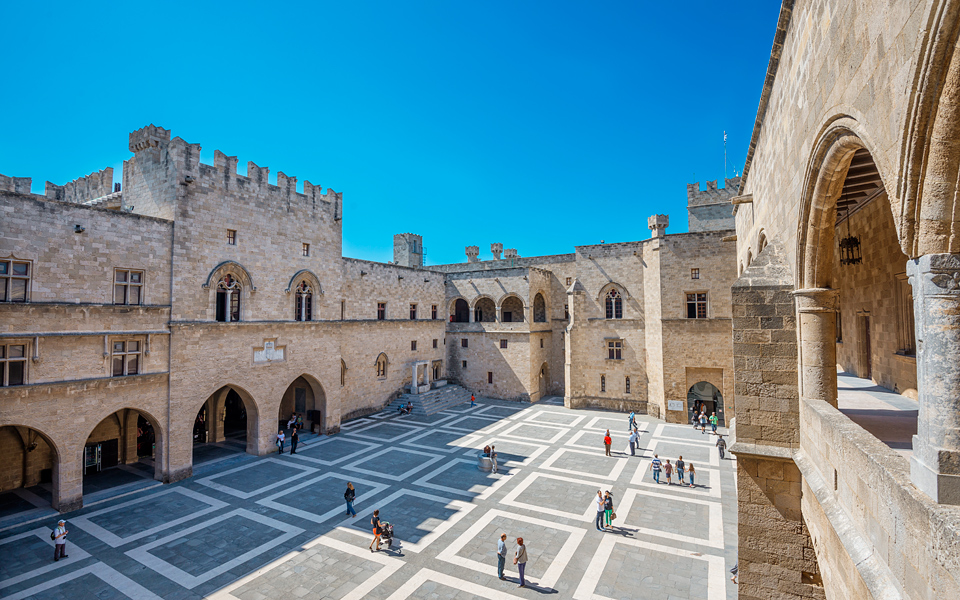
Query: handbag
[613, 516]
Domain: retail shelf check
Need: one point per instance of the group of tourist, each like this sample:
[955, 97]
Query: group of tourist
[295, 424]
[491, 453]
[681, 468]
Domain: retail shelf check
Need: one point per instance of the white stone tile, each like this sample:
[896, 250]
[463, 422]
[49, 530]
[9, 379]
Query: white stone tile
[211, 483]
[429, 460]
[509, 432]
[424, 481]
[714, 524]
[589, 514]
[424, 575]
[118, 581]
[73, 551]
[617, 467]
[370, 489]
[367, 447]
[535, 417]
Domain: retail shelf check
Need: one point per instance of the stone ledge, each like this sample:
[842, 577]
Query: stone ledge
[763, 451]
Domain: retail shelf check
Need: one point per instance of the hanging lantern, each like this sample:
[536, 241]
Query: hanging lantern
[850, 247]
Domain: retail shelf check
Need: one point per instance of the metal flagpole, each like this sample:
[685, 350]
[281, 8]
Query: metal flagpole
[724, 154]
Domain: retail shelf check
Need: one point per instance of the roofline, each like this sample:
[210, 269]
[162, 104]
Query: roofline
[786, 11]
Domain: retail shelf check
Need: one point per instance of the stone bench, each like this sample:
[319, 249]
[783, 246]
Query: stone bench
[483, 462]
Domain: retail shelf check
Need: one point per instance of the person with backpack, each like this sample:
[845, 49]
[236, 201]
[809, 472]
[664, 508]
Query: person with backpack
[680, 466]
[656, 465]
[632, 421]
[59, 537]
[721, 445]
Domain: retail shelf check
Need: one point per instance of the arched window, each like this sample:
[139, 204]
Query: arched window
[603, 383]
[382, 366]
[539, 309]
[228, 299]
[343, 373]
[304, 305]
[614, 305]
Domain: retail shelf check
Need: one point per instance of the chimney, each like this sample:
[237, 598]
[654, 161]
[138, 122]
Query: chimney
[658, 225]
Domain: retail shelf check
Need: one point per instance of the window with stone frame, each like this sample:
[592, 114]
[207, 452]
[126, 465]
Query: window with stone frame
[569, 281]
[464, 364]
[839, 318]
[127, 286]
[125, 357]
[694, 273]
[434, 343]
[906, 337]
[382, 366]
[228, 299]
[14, 280]
[303, 307]
[614, 304]
[603, 383]
[464, 343]
[232, 237]
[489, 376]
[503, 343]
[305, 249]
[13, 364]
[697, 305]
[413, 312]
[541, 342]
[614, 349]
[626, 385]
[433, 312]
[381, 311]
[413, 345]
[343, 373]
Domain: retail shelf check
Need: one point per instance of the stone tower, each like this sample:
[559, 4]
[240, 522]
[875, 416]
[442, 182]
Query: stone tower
[710, 209]
[408, 249]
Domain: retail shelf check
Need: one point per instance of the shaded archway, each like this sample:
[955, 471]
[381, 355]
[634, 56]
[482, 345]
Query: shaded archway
[511, 310]
[229, 424]
[304, 397]
[484, 310]
[703, 395]
[123, 448]
[30, 470]
[539, 309]
[543, 380]
[460, 312]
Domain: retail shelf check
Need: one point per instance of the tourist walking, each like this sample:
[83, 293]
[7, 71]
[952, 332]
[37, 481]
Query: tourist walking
[473, 400]
[493, 458]
[703, 422]
[501, 555]
[634, 440]
[280, 439]
[375, 522]
[713, 421]
[60, 541]
[721, 445]
[656, 465]
[607, 440]
[735, 571]
[692, 472]
[668, 471]
[521, 560]
[600, 508]
[608, 508]
[632, 422]
[680, 466]
[349, 496]
[294, 440]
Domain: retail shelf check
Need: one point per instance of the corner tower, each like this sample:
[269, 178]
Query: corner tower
[408, 249]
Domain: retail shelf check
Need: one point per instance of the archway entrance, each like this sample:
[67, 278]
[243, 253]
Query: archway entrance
[122, 449]
[704, 395]
[304, 398]
[27, 472]
[224, 425]
[461, 311]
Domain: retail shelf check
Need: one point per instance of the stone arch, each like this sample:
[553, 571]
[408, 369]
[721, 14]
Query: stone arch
[749, 257]
[484, 309]
[305, 303]
[315, 399]
[710, 397]
[159, 434]
[309, 276]
[381, 364]
[31, 474]
[511, 308]
[218, 398]
[612, 285]
[241, 275]
[761, 241]
[539, 308]
[459, 310]
[928, 180]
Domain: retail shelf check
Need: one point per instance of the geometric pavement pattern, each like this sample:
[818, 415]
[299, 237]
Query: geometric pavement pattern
[258, 528]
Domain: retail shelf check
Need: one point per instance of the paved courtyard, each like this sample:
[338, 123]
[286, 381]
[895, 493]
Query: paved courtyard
[259, 528]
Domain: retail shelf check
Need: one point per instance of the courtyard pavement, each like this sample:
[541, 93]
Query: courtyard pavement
[274, 527]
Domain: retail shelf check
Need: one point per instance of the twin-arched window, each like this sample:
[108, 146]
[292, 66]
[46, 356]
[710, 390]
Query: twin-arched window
[614, 304]
[228, 299]
[304, 303]
[382, 366]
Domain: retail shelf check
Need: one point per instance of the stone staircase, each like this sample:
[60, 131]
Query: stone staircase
[433, 401]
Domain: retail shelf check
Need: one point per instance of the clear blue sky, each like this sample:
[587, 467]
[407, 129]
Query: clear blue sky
[541, 125]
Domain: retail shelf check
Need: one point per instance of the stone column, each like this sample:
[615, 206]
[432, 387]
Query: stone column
[498, 315]
[414, 384]
[935, 464]
[817, 322]
[129, 436]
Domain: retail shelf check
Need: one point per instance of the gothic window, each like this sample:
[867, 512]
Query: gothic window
[228, 299]
[614, 305]
[343, 373]
[615, 349]
[304, 305]
[539, 309]
[626, 386]
[382, 366]
[13, 364]
[697, 305]
[126, 358]
[128, 287]
[14, 280]
[603, 383]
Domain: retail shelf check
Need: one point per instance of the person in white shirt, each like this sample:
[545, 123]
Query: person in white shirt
[280, 439]
[60, 541]
[600, 509]
[501, 554]
[634, 440]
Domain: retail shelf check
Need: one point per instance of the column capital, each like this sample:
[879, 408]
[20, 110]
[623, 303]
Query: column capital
[935, 275]
[816, 299]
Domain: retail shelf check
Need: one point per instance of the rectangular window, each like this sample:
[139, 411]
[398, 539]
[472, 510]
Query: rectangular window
[13, 364]
[413, 345]
[694, 273]
[381, 311]
[464, 364]
[839, 328]
[615, 349]
[413, 312]
[503, 343]
[305, 249]
[906, 339]
[603, 383]
[232, 237]
[433, 312]
[343, 309]
[569, 281]
[14, 280]
[566, 312]
[489, 376]
[541, 342]
[434, 343]
[626, 386]
[697, 306]
[463, 343]
[126, 358]
[128, 287]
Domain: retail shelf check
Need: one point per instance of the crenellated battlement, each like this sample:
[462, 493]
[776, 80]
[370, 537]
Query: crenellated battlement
[712, 194]
[82, 189]
[150, 136]
[18, 185]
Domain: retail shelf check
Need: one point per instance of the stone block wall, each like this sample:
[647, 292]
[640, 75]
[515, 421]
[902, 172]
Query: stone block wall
[397, 286]
[22, 466]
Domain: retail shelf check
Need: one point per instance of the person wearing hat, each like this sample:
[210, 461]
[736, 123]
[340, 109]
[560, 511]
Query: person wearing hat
[60, 540]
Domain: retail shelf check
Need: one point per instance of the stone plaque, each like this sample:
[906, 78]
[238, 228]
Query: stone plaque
[269, 353]
[675, 405]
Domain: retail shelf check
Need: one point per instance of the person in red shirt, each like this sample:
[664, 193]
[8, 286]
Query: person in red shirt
[607, 441]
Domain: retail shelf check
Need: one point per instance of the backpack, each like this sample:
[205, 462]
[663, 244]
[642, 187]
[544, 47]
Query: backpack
[53, 535]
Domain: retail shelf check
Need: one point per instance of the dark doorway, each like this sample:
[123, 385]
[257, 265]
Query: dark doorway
[235, 416]
[461, 311]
